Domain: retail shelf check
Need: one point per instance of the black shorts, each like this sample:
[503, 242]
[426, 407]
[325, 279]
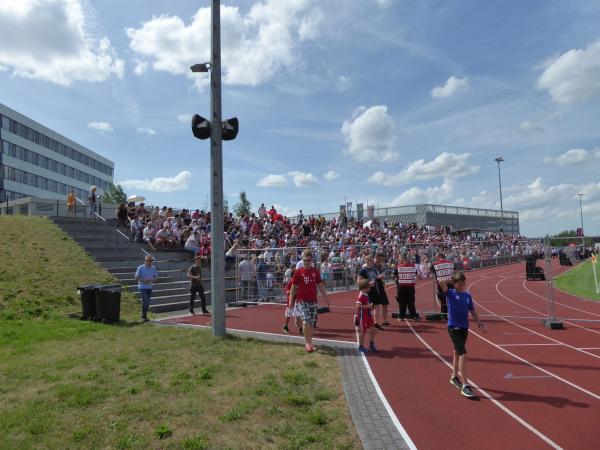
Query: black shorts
[459, 339]
[406, 294]
[377, 299]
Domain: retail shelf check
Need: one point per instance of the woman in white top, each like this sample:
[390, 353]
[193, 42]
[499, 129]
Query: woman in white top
[192, 244]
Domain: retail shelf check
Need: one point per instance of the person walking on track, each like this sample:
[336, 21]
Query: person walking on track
[442, 270]
[406, 277]
[305, 283]
[459, 304]
[363, 320]
[370, 273]
[196, 286]
[289, 310]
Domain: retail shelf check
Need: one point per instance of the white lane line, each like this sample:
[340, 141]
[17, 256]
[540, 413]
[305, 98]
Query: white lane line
[523, 345]
[558, 303]
[541, 369]
[519, 419]
[512, 376]
[535, 332]
[589, 348]
[389, 409]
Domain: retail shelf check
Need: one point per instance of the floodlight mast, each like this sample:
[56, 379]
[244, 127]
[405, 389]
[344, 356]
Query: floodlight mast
[217, 228]
[499, 160]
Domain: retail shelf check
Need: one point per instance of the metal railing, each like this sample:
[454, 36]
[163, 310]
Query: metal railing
[339, 266]
[52, 207]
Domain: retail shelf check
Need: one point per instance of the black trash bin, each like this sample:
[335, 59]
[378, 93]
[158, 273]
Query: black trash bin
[108, 303]
[87, 293]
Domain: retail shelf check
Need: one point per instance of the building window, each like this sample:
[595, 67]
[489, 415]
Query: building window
[34, 136]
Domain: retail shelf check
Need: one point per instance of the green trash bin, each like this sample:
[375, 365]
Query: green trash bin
[108, 303]
[87, 293]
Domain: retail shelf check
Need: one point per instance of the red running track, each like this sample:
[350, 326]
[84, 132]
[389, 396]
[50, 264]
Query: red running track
[538, 388]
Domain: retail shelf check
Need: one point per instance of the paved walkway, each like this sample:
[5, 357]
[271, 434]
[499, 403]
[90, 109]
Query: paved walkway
[376, 428]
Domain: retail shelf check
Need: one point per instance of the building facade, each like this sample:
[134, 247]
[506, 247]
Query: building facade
[455, 217]
[38, 162]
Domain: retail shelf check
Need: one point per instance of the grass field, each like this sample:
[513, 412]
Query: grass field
[65, 383]
[579, 281]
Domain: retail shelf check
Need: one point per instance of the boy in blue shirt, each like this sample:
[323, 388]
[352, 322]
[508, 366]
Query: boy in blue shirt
[459, 304]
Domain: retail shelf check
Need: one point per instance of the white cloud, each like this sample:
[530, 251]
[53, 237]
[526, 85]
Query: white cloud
[571, 157]
[179, 182]
[526, 126]
[51, 41]
[344, 83]
[185, 118]
[149, 131]
[140, 67]
[537, 201]
[573, 76]
[331, 175]
[272, 181]
[310, 26]
[443, 194]
[102, 127]
[300, 180]
[370, 135]
[255, 46]
[303, 179]
[444, 165]
[384, 3]
[453, 86]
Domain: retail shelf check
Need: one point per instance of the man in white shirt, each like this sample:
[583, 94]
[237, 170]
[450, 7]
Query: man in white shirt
[148, 236]
[245, 273]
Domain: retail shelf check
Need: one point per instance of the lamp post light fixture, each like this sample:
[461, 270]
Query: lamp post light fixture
[580, 194]
[499, 160]
[203, 129]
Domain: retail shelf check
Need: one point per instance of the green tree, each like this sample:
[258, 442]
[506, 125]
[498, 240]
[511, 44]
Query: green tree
[114, 194]
[566, 233]
[225, 207]
[243, 207]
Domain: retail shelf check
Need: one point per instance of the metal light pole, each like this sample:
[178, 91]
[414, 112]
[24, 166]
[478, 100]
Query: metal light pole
[499, 160]
[217, 231]
[582, 233]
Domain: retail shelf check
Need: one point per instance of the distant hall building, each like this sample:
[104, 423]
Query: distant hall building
[38, 162]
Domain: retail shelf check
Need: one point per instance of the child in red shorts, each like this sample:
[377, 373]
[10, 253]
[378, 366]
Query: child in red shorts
[363, 320]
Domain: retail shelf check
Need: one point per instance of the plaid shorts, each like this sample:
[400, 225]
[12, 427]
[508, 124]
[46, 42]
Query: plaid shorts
[308, 312]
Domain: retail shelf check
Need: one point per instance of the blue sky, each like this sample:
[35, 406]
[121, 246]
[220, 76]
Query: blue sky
[389, 101]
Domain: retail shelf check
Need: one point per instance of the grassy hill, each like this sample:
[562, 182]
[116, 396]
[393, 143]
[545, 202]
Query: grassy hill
[65, 383]
[579, 281]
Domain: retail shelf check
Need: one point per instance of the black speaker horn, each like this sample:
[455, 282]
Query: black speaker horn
[200, 127]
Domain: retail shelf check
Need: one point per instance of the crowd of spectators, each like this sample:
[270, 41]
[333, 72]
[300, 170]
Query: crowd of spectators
[271, 243]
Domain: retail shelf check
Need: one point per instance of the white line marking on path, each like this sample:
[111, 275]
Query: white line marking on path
[547, 372]
[511, 376]
[389, 409]
[522, 421]
[535, 332]
[524, 345]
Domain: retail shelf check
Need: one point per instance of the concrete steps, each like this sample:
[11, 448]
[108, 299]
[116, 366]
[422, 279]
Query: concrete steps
[121, 258]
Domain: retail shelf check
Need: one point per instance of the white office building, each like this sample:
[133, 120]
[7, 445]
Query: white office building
[38, 162]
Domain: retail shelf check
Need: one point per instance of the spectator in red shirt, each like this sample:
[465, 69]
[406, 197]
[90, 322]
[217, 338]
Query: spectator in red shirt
[305, 283]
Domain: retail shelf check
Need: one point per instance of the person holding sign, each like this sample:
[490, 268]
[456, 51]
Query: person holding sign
[443, 270]
[405, 276]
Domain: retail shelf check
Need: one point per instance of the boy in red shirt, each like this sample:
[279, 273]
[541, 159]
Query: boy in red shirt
[364, 317]
[305, 283]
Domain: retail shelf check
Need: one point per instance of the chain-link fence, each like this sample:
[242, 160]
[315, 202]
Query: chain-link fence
[573, 299]
[262, 274]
